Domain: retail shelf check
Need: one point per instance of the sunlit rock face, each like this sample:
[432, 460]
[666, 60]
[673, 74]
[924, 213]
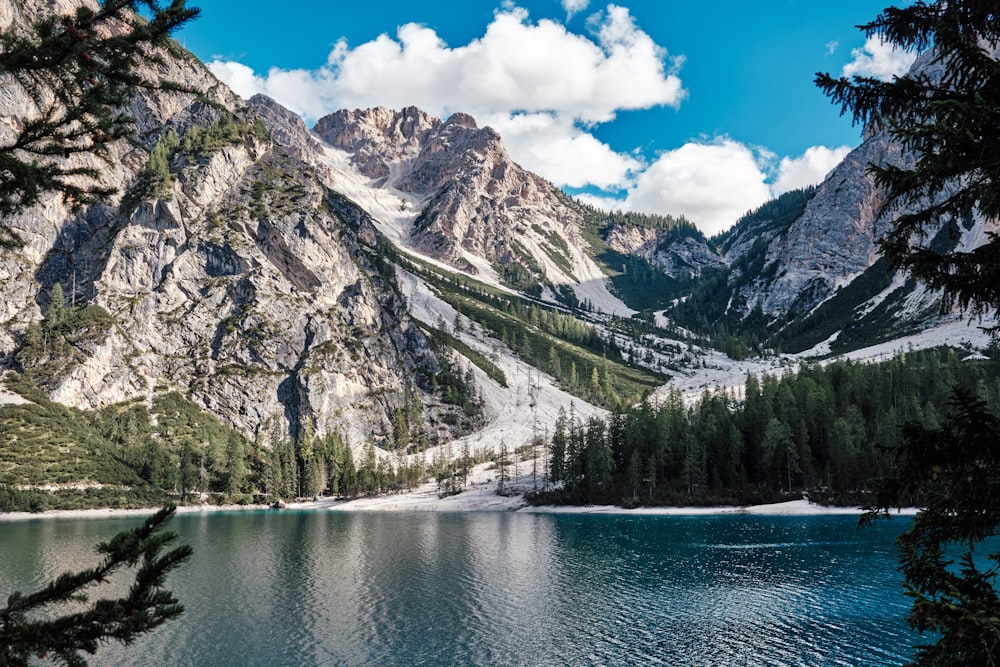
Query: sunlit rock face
[236, 282]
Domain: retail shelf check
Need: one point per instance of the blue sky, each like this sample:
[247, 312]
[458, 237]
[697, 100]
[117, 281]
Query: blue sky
[705, 109]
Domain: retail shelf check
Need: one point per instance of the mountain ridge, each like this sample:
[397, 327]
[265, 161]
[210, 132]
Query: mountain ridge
[397, 280]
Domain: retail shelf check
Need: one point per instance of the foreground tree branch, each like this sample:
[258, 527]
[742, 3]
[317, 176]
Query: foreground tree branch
[82, 72]
[29, 629]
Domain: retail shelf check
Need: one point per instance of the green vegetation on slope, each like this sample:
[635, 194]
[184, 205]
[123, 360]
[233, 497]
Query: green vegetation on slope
[638, 283]
[585, 363]
[52, 348]
[52, 457]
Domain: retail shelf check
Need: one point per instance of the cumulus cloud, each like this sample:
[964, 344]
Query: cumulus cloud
[555, 147]
[517, 65]
[879, 60]
[544, 88]
[538, 84]
[574, 6]
[808, 169]
[712, 184]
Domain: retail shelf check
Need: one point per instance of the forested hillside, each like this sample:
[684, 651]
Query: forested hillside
[819, 429]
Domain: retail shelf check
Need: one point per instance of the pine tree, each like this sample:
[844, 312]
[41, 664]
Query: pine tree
[29, 631]
[83, 72]
[954, 472]
[951, 124]
[236, 467]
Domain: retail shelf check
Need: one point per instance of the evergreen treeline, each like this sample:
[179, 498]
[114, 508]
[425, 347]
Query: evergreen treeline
[585, 362]
[137, 455]
[822, 430]
[636, 219]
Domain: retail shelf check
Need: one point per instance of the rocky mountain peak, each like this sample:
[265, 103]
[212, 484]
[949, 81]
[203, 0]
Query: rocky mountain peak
[473, 207]
[377, 138]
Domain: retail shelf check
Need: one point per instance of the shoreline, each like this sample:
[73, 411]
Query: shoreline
[408, 503]
[479, 495]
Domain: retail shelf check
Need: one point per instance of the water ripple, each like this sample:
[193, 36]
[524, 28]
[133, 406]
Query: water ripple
[499, 589]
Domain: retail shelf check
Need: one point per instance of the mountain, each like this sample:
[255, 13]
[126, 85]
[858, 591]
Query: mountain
[231, 277]
[397, 281]
[473, 207]
[807, 266]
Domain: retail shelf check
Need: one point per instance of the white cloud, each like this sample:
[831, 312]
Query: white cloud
[809, 168]
[516, 66]
[553, 146]
[831, 47]
[538, 84]
[711, 184]
[878, 59]
[574, 6]
[542, 87]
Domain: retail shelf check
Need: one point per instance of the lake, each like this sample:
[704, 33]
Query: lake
[331, 588]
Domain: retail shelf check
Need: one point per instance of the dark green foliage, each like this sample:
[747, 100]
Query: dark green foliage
[837, 314]
[195, 442]
[228, 130]
[769, 219]
[821, 430]
[52, 348]
[30, 631]
[47, 444]
[951, 124]
[641, 285]
[125, 455]
[949, 555]
[134, 455]
[518, 277]
[456, 385]
[83, 71]
[553, 341]
[442, 339]
[637, 282]
[648, 220]
[713, 307]
[156, 178]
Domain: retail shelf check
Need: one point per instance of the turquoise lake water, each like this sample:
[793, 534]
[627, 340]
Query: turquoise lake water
[329, 588]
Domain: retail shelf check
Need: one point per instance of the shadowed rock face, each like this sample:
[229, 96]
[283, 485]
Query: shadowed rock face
[836, 238]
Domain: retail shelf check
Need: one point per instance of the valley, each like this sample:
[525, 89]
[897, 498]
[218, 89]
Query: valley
[270, 311]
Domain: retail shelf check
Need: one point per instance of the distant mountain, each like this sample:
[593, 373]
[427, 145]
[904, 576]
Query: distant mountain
[806, 267]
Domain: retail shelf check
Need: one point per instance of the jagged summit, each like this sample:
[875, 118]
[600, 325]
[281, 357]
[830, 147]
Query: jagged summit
[476, 209]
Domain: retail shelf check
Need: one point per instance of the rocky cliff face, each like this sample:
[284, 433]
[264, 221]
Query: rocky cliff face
[239, 282]
[476, 203]
[832, 242]
[835, 240]
[681, 257]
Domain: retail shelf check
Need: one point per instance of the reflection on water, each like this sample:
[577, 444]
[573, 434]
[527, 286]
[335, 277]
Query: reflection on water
[301, 588]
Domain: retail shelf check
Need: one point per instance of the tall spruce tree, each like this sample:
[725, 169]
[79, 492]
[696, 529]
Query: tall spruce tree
[82, 72]
[947, 116]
